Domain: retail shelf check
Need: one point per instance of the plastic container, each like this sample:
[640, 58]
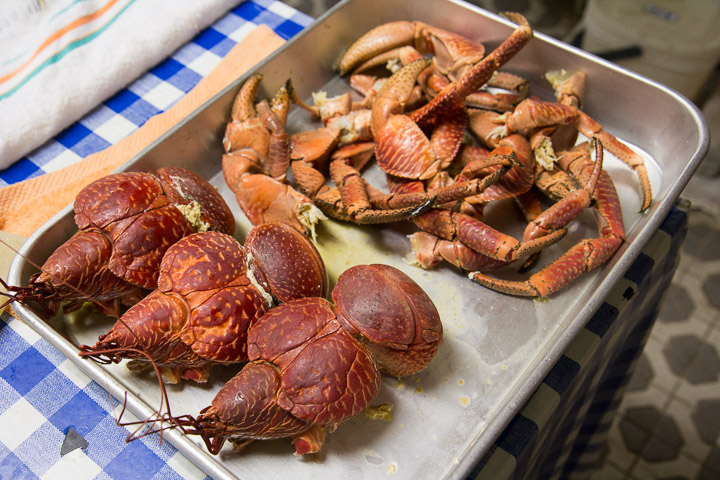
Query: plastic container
[678, 39]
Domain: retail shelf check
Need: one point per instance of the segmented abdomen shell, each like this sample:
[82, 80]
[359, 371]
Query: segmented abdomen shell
[327, 376]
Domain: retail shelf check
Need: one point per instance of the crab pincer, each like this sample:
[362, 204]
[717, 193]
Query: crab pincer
[210, 290]
[314, 365]
[126, 223]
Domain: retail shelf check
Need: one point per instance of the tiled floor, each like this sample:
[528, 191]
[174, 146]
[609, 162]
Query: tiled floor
[668, 425]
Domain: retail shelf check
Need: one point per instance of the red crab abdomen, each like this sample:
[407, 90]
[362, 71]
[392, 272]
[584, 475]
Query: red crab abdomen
[391, 314]
[327, 376]
[78, 269]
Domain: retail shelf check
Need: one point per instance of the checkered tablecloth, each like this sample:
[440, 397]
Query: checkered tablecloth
[54, 421]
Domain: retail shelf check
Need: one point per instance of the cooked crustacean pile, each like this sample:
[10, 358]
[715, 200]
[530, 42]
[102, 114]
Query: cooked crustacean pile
[452, 133]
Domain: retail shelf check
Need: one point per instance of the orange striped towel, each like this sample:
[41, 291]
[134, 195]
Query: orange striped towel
[61, 58]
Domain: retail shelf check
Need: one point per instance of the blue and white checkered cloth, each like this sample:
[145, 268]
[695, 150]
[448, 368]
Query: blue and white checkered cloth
[156, 91]
[43, 396]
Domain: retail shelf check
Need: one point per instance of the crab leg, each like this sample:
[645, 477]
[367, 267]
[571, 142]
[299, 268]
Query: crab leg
[585, 255]
[453, 53]
[590, 128]
[568, 208]
[516, 181]
[429, 250]
[480, 237]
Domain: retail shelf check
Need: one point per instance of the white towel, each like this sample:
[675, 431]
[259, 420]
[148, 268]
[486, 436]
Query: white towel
[61, 58]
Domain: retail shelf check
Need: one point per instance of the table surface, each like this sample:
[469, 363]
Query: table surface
[46, 404]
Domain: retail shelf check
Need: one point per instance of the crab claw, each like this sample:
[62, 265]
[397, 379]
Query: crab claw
[264, 199]
[380, 39]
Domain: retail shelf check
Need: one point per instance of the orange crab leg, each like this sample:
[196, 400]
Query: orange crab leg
[453, 53]
[481, 72]
[590, 128]
[585, 255]
[480, 237]
[430, 250]
[516, 181]
[533, 113]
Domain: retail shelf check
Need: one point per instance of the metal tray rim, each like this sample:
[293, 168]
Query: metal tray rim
[496, 425]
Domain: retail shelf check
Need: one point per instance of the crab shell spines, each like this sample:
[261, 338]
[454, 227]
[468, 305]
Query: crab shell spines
[201, 261]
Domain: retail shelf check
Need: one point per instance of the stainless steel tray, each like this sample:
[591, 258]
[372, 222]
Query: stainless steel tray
[498, 348]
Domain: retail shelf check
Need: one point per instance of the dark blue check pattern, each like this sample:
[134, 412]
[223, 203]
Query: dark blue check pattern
[42, 394]
[155, 91]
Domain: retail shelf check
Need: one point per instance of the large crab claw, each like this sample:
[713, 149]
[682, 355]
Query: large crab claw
[403, 149]
[260, 128]
[453, 53]
[264, 199]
